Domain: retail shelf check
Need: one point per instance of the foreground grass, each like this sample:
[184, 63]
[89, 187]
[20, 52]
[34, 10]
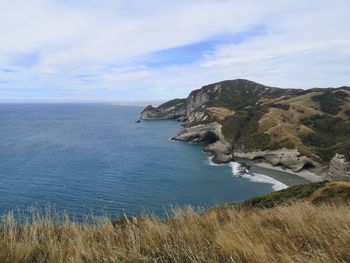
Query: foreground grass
[298, 231]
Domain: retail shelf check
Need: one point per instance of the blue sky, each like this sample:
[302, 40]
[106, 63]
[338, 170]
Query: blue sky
[156, 50]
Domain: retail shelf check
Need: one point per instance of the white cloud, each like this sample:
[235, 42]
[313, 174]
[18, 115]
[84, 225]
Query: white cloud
[92, 46]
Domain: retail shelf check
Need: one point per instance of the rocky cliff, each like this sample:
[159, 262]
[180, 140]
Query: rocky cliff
[291, 128]
[339, 168]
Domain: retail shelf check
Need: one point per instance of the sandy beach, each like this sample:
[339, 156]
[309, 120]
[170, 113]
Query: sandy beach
[307, 175]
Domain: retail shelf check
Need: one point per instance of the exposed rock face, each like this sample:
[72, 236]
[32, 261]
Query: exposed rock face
[240, 90]
[203, 133]
[339, 168]
[173, 109]
[221, 150]
[209, 134]
[195, 101]
[252, 119]
[288, 158]
[194, 107]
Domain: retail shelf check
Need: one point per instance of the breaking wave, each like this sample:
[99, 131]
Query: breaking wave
[253, 177]
[259, 178]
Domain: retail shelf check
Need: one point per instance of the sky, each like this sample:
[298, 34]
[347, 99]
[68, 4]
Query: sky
[121, 50]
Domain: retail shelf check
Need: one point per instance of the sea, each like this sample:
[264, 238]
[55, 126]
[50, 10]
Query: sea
[95, 159]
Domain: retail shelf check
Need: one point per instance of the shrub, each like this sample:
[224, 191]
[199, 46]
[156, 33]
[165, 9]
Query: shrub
[330, 136]
[329, 102]
[280, 106]
[241, 129]
[284, 196]
[341, 94]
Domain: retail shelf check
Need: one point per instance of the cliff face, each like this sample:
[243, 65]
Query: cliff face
[339, 168]
[292, 128]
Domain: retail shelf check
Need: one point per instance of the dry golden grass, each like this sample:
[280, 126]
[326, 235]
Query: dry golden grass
[285, 128]
[285, 125]
[306, 103]
[220, 113]
[301, 232]
[265, 101]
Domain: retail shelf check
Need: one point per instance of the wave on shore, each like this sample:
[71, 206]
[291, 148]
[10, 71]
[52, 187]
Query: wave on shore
[259, 178]
[254, 177]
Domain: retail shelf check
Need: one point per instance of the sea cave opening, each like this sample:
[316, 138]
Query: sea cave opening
[209, 138]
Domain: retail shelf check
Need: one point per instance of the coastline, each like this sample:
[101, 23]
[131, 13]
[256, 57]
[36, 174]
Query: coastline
[222, 153]
[277, 173]
[307, 175]
[280, 174]
[278, 178]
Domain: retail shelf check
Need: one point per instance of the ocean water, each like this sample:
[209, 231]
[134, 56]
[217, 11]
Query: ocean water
[86, 158]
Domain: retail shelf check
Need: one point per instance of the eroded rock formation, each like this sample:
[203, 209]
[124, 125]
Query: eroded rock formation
[283, 127]
[339, 168]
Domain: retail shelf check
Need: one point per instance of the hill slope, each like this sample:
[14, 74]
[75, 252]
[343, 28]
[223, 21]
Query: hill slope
[292, 128]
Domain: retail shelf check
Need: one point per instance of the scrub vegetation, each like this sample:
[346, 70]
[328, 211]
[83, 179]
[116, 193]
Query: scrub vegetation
[315, 121]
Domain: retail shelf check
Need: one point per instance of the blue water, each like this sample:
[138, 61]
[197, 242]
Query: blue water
[91, 157]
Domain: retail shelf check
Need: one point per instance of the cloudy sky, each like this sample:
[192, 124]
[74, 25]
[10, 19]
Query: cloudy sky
[121, 50]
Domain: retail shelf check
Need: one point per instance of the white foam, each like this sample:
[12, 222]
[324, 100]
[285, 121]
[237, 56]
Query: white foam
[254, 177]
[235, 168]
[259, 178]
[210, 161]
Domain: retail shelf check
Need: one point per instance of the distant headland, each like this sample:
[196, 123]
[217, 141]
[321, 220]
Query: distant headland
[304, 132]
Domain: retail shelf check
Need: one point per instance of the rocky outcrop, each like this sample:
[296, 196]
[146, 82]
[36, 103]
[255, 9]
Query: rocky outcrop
[173, 109]
[194, 102]
[202, 133]
[287, 158]
[209, 134]
[247, 116]
[339, 168]
[221, 151]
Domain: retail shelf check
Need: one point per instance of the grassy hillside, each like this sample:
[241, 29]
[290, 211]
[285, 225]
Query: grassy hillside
[309, 223]
[316, 121]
